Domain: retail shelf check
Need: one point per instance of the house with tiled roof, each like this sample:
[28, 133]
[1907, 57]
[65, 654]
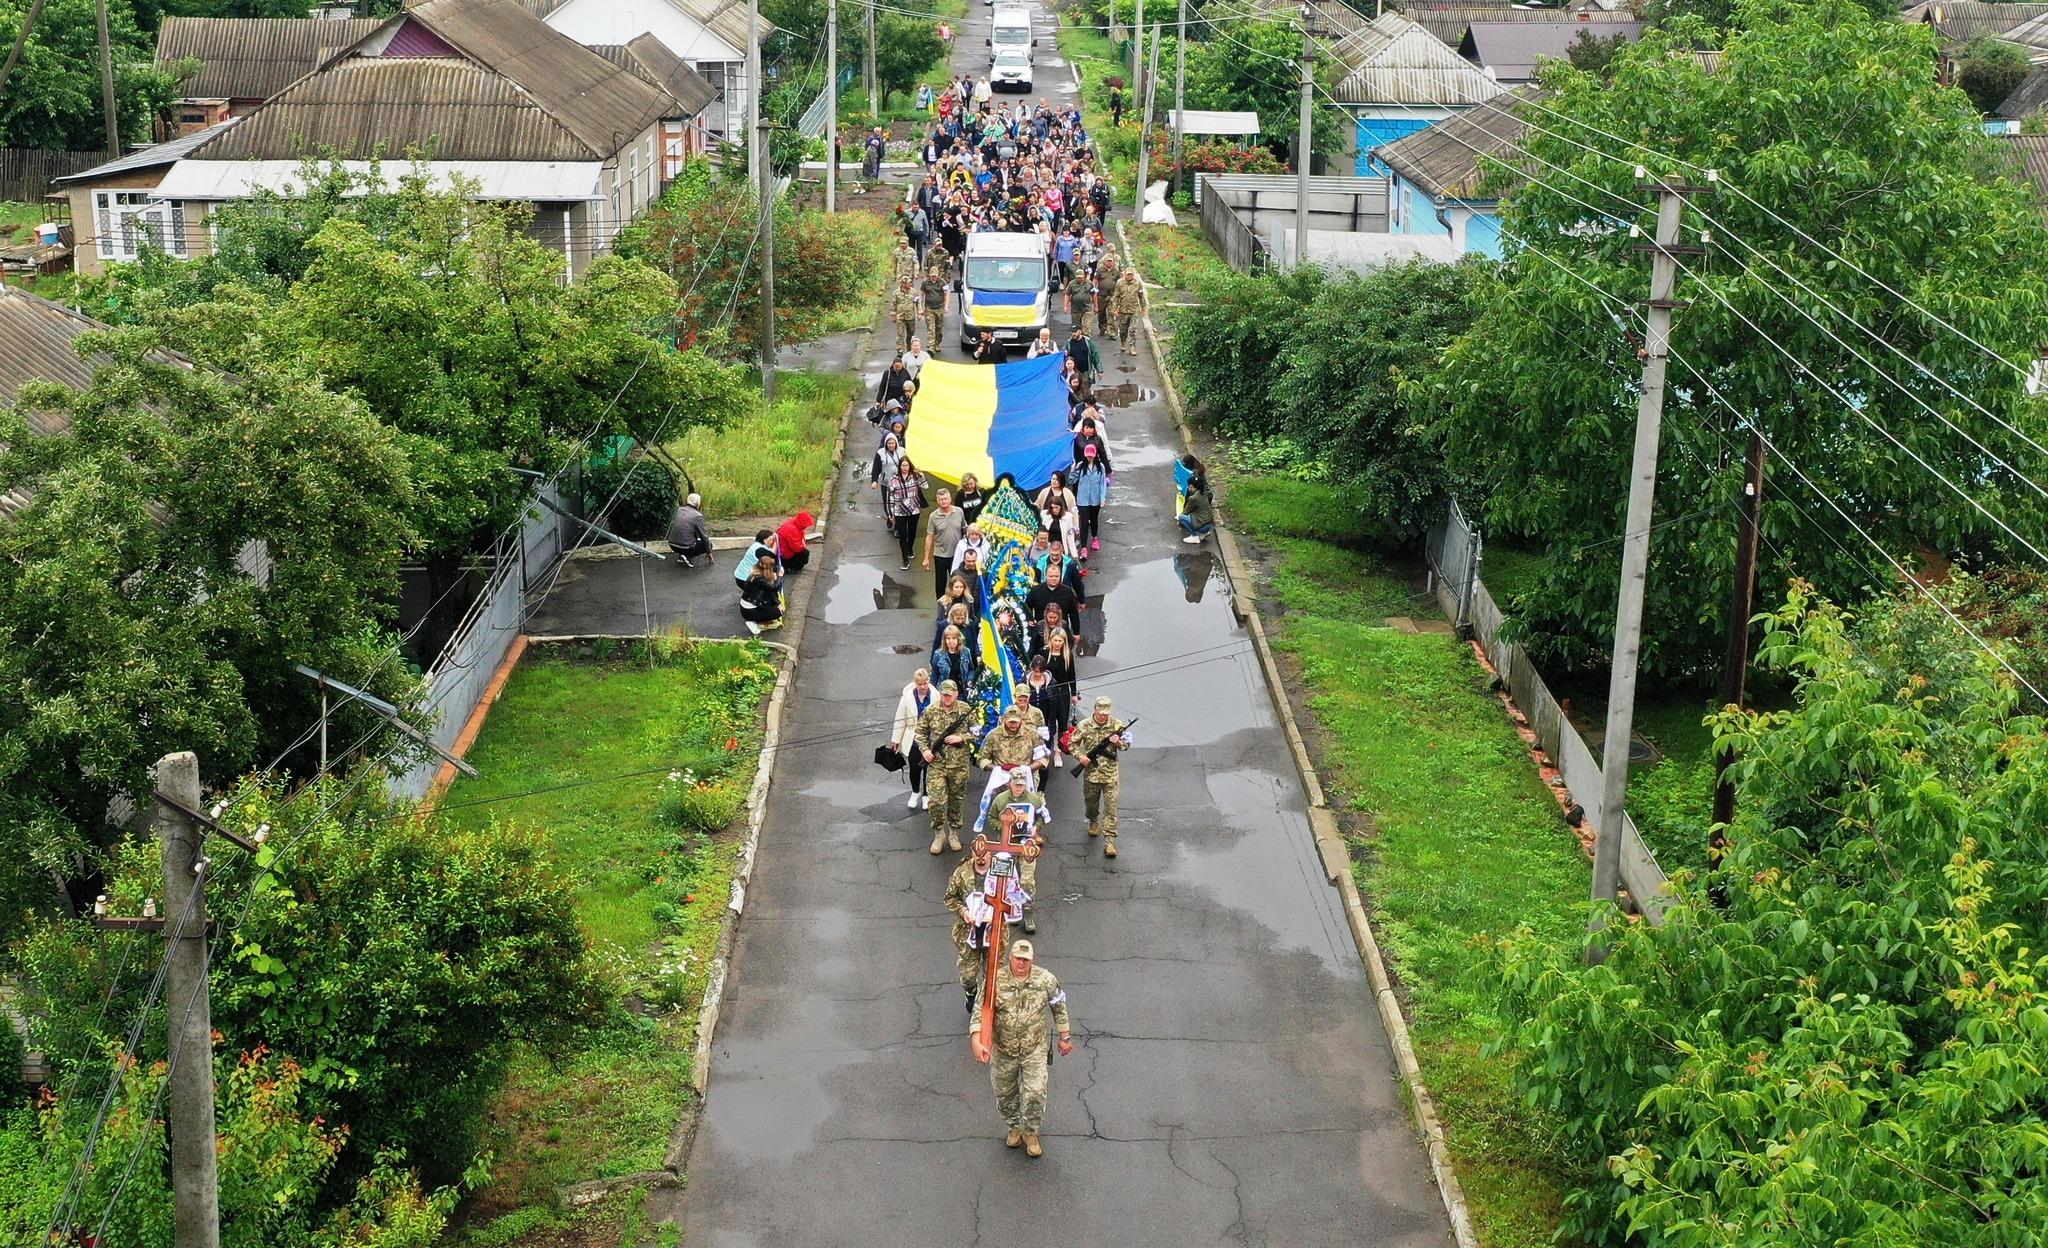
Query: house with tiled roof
[243, 61]
[479, 93]
[1447, 179]
[710, 36]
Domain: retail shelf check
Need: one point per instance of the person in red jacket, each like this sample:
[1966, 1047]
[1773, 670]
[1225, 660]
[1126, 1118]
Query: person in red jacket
[790, 543]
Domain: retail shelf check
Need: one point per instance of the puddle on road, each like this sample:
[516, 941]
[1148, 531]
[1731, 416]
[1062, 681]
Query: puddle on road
[905, 648]
[859, 589]
[1124, 394]
[1194, 571]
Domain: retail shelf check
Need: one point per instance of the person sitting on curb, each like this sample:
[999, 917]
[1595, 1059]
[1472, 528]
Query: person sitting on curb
[1198, 517]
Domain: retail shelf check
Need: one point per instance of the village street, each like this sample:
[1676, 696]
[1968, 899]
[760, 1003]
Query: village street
[1230, 1081]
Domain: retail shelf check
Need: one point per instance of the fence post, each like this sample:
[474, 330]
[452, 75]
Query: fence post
[1473, 544]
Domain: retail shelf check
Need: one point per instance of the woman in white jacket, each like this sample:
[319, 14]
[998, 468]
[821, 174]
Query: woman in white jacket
[917, 695]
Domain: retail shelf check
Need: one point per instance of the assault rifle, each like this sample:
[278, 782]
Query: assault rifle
[1081, 761]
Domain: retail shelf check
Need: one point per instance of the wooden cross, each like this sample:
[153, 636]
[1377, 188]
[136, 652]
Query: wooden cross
[999, 923]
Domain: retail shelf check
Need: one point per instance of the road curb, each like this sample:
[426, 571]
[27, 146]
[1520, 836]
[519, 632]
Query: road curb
[1329, 839]
[709, 1010]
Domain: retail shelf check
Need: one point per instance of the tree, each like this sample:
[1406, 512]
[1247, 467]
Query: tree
[1226, 347]
[1250, 66]
[1833, 119]
[1592, 54]
[274, 1156]
[396, 961]
[187, 539]
[52, 100]
[701, 233]
[453, 326]
[1988, 68]
[1852, 1051]
[906, 48]
[1344, 385]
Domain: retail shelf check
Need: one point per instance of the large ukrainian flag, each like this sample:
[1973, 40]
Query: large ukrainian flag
[1007, 420]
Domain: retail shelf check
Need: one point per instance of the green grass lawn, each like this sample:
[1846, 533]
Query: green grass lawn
[876, 236]
[652, 890]
[1468, 840]
[775, 459]
[18, 221]
[1672, 799]
[1175, 256]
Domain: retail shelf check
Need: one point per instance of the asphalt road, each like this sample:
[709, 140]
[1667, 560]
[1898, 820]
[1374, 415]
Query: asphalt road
[1231, 1083]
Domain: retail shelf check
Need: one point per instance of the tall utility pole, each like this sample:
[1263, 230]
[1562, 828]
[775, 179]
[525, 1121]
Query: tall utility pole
[874, 92]
[195, 1180]
[107, 83]
[1301, 140]
[1145, 118]
[1635, 542]
[1735, 669]
[756, 158]
[762, 129]
[1180, 87]
[831, 105]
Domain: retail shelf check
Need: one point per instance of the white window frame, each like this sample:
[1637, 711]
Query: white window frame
[123, 220]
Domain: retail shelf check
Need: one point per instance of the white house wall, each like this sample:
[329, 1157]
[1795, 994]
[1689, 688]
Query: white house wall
[591, 22]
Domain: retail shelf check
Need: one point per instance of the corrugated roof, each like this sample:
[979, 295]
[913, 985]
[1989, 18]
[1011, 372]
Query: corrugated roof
[1959, 21]
[1512, 49]
[1450, 22]
[651, 59]
[518, 91]
[725, 18]
[2032, 34]
[2028, 98]
[2029, 154]
[1396, 61]
[441, 107]
[1443, 160]
[169, 152]
[253, 57]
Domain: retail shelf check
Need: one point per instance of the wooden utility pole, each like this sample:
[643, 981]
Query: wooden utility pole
[1735, 668]
[831, 105]
[874, 91]
[1635, 545]
[1180, 87]
[195, 1181]
[28, 24]
[107, 82]
[762, 130]
[1138, 56]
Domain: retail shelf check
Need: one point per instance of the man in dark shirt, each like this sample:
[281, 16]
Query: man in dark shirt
[1054, 590]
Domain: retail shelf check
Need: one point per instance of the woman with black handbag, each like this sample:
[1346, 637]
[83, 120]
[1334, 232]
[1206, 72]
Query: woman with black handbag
[917, 696]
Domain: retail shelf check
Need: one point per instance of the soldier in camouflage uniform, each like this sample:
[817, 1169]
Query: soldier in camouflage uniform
[940, 261]
[1099, 739]
[1017, 1054]
[1081, 303]
[945, 732]
[903, 309]
[1019, 793]
[1034, 719]
[1125, 304]
[965, 881]
[933, 292]
[903, 263]
[1014, 747]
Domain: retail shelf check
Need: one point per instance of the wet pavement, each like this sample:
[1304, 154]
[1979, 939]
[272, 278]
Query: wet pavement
[1230, 1081]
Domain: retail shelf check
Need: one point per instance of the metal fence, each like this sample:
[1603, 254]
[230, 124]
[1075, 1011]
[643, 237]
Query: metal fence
[456, 683]
[26, 172]
[1454, 550]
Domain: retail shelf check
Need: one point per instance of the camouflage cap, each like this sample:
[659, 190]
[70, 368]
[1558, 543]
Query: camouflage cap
[1101, 704]
[948, 686]
[1022, 949]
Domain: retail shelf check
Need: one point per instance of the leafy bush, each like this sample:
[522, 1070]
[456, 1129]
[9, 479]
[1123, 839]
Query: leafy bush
[1214, 156]
[274, 1157]
[1853, 1050]
[1987, 69]
[1226, 349]
[633, 496]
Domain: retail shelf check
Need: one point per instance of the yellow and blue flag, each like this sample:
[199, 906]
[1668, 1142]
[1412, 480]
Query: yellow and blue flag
[1009, 420]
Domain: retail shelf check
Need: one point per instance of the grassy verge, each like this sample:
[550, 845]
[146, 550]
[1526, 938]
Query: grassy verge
[654, 860]
[18, 220]
[853, 100]
[876, 236]
[1096, 59]
[1465, 839]
[1175, 256]
[775, 459]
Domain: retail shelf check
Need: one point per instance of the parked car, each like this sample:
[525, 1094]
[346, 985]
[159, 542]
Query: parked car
[1012, 72]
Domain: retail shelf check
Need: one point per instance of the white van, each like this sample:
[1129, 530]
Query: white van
[1004, 288]
[1012, 32]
